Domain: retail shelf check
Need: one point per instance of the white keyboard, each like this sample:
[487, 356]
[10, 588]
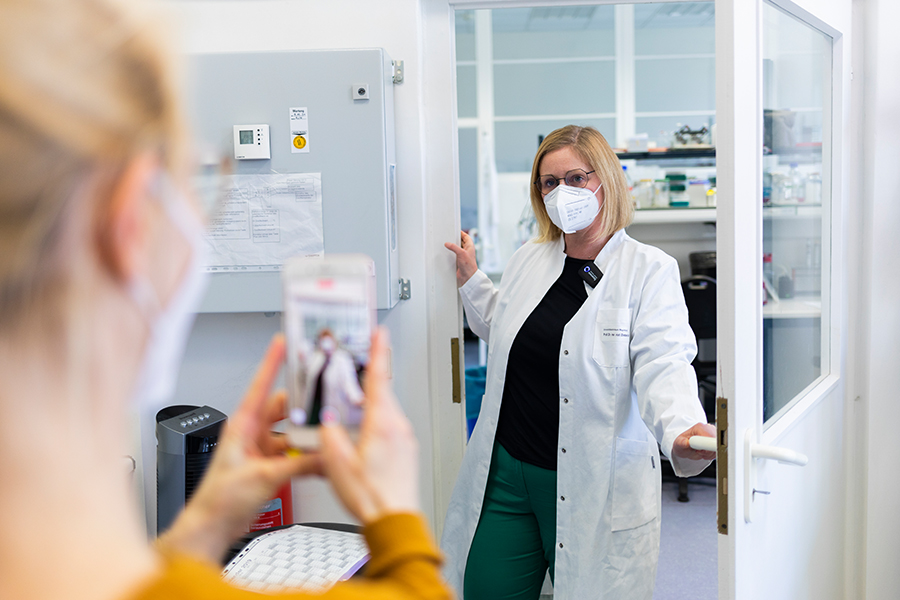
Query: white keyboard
[297, 557]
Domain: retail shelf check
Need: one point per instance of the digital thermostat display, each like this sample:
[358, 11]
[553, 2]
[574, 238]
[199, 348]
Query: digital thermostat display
[251, 142]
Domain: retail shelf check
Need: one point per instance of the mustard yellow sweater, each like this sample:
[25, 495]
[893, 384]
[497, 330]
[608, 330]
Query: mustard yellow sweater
[404, 564]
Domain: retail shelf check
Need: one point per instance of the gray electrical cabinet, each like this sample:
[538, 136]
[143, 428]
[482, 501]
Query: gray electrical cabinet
[328, 113]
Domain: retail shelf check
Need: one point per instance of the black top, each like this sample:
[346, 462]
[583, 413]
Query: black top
[529, 415]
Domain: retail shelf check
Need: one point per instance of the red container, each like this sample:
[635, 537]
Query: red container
[277, 511]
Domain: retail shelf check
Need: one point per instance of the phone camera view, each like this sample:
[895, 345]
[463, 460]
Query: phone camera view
[328, 327]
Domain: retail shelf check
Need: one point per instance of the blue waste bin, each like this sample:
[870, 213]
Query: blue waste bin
[475, 383]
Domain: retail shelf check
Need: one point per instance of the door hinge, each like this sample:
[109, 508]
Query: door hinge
[405, 289]
[398, 71]
[454, 365]
[722, 465]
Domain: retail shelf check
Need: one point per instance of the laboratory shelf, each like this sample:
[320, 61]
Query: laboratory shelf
[793, 308]
[669, 154]
[798, 211]
[675, 215]
[673, 158]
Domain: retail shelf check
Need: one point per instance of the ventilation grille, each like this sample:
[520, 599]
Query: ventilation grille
[194, 467]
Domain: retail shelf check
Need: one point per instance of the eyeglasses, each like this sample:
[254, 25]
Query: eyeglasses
[574, 178]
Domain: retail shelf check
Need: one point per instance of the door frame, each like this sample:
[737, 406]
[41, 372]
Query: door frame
[736, 99]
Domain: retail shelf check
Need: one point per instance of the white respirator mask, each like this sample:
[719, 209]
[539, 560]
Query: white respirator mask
[169, 325]
[572, 208]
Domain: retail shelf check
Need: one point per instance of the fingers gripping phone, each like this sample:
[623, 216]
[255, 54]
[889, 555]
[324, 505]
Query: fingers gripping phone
[329, 316]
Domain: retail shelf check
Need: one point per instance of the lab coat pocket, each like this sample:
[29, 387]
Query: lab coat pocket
[635, 482]
[612, 337]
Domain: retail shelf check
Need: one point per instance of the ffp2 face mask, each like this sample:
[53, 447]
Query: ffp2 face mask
[170, 325]
[571, 208]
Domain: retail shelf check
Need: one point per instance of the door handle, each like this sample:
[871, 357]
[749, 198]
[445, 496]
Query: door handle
[782, 455]
[753, 451]
[701, 442]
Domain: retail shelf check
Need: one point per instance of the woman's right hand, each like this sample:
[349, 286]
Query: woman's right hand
[380, 475]
[465, 258]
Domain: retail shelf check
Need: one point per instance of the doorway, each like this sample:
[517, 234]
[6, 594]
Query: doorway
[642, 75]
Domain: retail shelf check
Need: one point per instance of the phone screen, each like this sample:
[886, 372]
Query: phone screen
[328, 328]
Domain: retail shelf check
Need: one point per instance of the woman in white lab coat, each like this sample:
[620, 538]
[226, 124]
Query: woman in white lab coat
[333, 383]
[589, 370]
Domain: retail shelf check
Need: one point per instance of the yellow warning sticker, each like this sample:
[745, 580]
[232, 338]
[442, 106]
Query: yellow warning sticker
[299, 130]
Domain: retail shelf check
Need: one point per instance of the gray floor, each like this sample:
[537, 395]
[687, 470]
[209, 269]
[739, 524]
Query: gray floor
[688, 548]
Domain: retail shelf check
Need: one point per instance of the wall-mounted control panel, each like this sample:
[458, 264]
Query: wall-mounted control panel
[251, 142]
[314, 170]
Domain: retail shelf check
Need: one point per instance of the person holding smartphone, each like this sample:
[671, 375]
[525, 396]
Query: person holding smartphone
[99, 276]
[588, 371]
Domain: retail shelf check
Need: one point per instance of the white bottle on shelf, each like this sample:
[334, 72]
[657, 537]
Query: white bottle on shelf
[798, 185]
[814, 189]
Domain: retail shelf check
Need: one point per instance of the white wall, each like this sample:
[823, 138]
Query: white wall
[879, 357]
[224, 349]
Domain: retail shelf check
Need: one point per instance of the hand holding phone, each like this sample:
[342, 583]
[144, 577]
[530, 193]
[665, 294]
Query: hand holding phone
[378, 476]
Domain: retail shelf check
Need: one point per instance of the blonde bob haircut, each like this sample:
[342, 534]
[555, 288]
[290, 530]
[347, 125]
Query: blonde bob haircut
[85, 86]
[617, 210]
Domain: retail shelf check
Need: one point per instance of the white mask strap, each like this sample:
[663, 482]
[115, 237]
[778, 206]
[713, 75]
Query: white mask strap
[145, 297]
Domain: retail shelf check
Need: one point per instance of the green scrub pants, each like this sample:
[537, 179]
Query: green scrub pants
[515, 540]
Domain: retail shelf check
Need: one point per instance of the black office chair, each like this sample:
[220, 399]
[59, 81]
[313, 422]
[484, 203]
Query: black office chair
[700, 298]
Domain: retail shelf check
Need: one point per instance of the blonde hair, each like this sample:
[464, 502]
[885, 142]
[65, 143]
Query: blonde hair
[85, 86]
[590, 145]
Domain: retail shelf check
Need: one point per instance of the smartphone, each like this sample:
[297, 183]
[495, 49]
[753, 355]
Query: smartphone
[329, 316]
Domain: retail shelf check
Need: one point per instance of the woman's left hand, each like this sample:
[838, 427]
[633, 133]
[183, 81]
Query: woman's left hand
[247, 469]
[682, 448]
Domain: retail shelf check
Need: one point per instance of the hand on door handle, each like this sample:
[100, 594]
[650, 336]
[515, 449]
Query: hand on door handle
[682, 447]
[701, 442]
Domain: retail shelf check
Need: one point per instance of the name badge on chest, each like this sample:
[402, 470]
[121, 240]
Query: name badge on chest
[591, 274]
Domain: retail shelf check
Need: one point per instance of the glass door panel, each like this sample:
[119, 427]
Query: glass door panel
[796, 94]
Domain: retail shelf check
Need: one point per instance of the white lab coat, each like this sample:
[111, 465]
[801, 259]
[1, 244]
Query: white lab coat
[341, 389]
[625, 383]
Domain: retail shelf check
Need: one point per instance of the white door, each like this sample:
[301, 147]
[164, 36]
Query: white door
[781, 77]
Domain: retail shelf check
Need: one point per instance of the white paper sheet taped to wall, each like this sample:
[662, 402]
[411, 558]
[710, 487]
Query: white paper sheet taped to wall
[265, 219]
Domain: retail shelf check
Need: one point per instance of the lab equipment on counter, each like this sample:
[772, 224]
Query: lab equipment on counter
[678, 196]
[788, 189]
[814, 189]
[798, 184]
[711, 193]
[643, 193]
[639, 142]
[685, 137]
[697, 189]
[660, 193]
